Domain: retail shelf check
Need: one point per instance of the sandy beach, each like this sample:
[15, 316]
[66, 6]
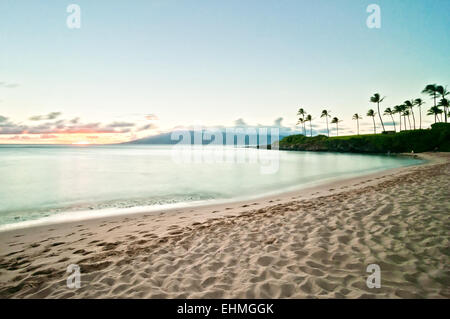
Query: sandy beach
[313, 243]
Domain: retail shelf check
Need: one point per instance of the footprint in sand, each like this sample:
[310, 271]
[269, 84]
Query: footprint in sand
[57, 244]
[111, 229]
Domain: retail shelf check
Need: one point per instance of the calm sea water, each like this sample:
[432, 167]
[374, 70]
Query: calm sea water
[40, 181]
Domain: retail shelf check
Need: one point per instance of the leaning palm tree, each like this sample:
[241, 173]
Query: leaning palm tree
[442, 93]
[302, 113]
[431, 90]
[335, 120]
[309, 118]
[372, 114]
[419, 102]
[357, 117]
[389, 111]
[410, 105]
[434, 110]
[444, 103]
[376, 98]
[398, 109]
[326, 114]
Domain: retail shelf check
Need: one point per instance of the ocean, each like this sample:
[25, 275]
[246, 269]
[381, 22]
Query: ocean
[40, 182]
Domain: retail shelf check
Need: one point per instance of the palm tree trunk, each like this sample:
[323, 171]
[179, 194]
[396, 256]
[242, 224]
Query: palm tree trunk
[327, 127]
[420, 118]
[400, 116]
[379, 114]
[404, 120]
[409, 121]
[357, 125]
[374, 127]
[414, 119]
[395, 129]
[445, 113]
[304, 127]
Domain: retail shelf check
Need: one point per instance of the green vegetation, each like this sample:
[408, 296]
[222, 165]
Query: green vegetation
[435, 139]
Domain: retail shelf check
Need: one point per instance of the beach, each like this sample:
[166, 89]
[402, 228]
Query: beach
[310, 243]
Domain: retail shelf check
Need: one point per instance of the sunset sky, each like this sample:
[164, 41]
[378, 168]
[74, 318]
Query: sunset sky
[139, 68]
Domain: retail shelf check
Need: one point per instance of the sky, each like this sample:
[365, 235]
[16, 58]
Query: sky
[139, 68]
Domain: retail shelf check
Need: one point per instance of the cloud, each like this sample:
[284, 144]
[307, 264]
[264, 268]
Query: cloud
[48, 136]
[12, 129]
[49, 116]
[151, 117]
[8, 85]
[7, 127]
[40, 129]
[19, 137]
[53, 115]
[121, 124]
[240, 122]
[61, 126]
[147, 127]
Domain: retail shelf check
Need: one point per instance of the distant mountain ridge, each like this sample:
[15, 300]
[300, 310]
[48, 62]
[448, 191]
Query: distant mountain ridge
[244, 137]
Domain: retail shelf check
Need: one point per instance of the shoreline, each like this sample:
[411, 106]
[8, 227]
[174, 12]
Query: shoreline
[279, 246]
[81, 216]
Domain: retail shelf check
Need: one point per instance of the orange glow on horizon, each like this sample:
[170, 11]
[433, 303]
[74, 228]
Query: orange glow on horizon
[72, 139]
[81, 143]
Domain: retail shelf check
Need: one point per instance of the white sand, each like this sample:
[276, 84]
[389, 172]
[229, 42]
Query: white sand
[310, 243]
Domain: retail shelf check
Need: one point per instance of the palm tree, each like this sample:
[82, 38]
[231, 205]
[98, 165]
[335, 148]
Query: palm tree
[326, 114]
[443, 92]
[410, 105]
[399, 110]
[357, 117]
[389, 111]
[377, 99]
[444, 103]
[434, 110]
[302, 121]
[419, 102]
[406, 114]
[302, 113]
[309, 118]
[335, 120]
[431, 90]
[372, 114]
